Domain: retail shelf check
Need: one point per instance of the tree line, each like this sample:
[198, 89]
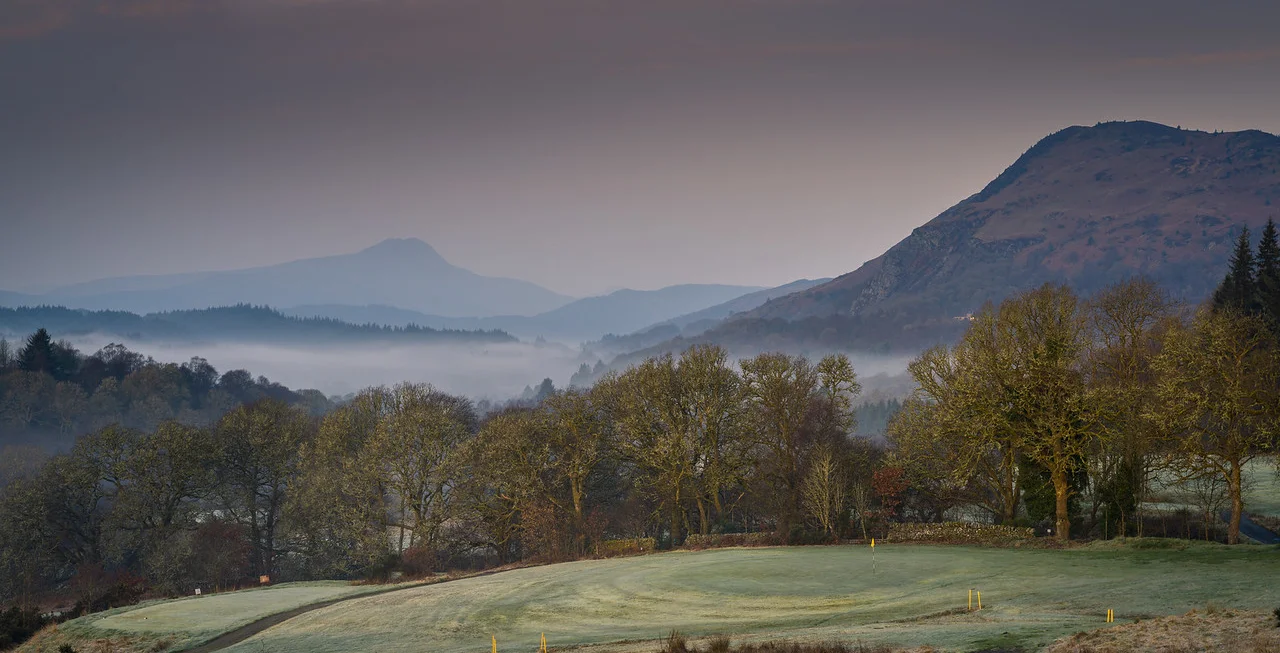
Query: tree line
[1073, 408]
[240, 322]
[411, 478]
[50, 392]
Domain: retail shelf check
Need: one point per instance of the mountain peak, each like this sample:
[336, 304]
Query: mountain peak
[404, 248]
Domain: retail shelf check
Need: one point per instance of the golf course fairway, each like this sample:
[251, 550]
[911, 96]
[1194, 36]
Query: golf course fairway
[917, 596]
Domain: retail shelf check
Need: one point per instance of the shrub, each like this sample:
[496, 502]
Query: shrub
[17, 625]
[718, 540]
[959, 533]
[1156, 543]
[96, 590]
[417, 561]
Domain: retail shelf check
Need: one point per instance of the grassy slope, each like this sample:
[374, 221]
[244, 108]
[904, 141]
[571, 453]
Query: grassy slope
[193, 620]
[1031, 597]
[1262, 488]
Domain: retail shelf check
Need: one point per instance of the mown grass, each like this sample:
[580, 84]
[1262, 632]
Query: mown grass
[175, 624]
[916, 597]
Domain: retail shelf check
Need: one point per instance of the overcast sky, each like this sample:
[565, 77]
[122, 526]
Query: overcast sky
[580, 144]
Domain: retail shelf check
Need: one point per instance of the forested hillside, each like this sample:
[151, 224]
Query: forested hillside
[50, 392]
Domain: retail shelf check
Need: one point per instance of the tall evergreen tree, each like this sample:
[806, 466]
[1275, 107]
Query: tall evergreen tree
[1238, 290]
[38, 355]
[1268, 275]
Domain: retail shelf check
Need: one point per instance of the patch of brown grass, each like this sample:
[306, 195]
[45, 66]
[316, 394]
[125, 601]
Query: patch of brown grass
[677, 643]
[1211, 630]
[52, 640]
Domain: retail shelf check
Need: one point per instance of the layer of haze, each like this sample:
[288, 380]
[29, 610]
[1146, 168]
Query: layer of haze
[580, 144]
[491, 371]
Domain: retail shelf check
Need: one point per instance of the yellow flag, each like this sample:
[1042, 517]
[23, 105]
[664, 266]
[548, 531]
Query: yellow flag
[873, 542]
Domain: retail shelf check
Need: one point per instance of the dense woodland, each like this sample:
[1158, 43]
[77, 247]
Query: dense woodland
[1050, 407]
[50, 392]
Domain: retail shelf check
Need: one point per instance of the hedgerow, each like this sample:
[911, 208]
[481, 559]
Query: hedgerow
[960, 533]
[719, 540]
[626, 546]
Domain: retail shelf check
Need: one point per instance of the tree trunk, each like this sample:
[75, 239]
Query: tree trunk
[255, 531]
[1237, 503]
[675, 519]
[1010, 487]
[1061, 490]
[580, 537]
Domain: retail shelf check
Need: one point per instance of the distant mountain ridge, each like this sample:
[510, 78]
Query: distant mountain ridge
[693, 324]
[402, 272]
[621, 311]
[1086, 206]
[742, 304]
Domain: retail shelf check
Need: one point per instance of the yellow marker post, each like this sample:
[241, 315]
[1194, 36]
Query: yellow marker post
[970, 608]
[1111, 615]
[544, 643]
[495, 643]
[979, 599]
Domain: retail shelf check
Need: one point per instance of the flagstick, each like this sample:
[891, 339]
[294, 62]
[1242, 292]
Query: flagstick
[873, 556]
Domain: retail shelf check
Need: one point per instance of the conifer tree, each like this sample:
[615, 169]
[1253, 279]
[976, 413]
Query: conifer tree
[37, 355]
[1238, 291]
[1268, 274]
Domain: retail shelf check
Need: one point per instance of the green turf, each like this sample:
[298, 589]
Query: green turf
[1262, 488]
[218, 613]
[1030, 597]
[192, 620]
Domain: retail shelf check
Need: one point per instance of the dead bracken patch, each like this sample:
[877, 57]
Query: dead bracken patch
[1210, 630]
[677, 643]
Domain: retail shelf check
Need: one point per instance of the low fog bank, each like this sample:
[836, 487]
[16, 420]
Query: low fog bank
[480, 371]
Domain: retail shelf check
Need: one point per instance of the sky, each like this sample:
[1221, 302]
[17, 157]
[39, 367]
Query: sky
[585, 145]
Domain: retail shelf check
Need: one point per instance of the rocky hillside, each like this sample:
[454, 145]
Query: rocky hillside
[1087, 206]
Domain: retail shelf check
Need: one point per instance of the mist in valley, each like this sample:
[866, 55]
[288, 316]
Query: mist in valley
[480, 371]
[496, 371]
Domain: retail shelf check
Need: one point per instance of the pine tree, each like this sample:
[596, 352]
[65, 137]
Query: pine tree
[1238, 290]
[37, 356]
[1268, 275]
